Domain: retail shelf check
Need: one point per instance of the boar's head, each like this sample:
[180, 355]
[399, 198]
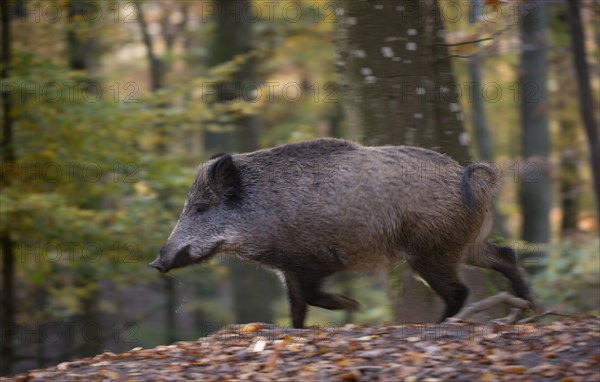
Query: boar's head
[206, 225]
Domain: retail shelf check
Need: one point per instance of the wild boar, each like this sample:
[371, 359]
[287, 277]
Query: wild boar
[307, 210]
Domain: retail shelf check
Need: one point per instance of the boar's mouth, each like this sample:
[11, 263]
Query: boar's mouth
[209, 254]
[184, 257]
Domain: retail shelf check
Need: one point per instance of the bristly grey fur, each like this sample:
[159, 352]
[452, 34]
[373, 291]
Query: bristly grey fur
[310, 209]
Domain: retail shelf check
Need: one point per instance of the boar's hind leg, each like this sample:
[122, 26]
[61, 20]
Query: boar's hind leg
[303, 290]
[331, 301]
[503, 260]
[444, 280]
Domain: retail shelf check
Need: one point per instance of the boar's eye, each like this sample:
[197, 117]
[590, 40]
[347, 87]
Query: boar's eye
[201, 207]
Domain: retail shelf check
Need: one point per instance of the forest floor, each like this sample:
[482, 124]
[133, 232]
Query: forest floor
[566, 350]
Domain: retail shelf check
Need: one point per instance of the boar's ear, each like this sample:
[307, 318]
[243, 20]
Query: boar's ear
[225, 177]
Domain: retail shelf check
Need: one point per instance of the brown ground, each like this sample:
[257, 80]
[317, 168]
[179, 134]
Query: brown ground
[559, 351]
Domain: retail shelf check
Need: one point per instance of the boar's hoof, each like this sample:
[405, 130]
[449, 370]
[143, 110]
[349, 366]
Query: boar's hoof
[535, 308]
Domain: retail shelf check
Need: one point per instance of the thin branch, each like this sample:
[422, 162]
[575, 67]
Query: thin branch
[485, 304]
[466, 42]
[546, 313]
[457, 56]
[512, 317]
[494, 36]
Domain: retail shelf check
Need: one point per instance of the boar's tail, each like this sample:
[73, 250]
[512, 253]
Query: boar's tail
[474, 186]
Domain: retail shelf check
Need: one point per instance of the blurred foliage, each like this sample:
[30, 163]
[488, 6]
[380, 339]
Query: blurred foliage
[570, 282]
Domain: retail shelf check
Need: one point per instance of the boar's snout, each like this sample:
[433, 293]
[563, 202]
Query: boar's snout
[167, 261]
[157, 265]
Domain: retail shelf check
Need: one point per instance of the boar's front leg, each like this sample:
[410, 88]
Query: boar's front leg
[298, 305]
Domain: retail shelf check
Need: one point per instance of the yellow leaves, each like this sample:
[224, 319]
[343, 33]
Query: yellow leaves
[487, 377]
[345, 362]
[225, 71]
[514, 369]
[254, 327]
[107, 306]
[295, 347]
[273, 360]
[524, 328]
[109, 374]
[416, 358]
[546, 370]
[142, 189]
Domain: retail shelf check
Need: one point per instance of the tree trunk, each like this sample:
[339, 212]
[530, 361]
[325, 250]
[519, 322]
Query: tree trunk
[399, 84]
[252, 287]
[156, 83]
[170, 309]
[483, 140]
[399, 89]
[479, 120]
[90, 319]
[586, 99]
[7, 310]
[565, 110]
[81, 58]
[80, 51]
[535, 188]
[155, 63]
[8, 304]
[570, 178]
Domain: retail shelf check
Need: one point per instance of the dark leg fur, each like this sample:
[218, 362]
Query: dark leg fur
[444, 281]
[454, 294]
[298, 306]
[306, 290]
[334, 302]
[303, 283]
[503, 260]
[316, 297]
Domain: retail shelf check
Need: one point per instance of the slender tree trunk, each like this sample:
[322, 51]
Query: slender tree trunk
[252, 287]
[399, 89]
[170, 309]
[586, 99]
[7, 311]
[155, 62]
[90, 319]
[8, 304]
[479, 120]
[170, 31]
[564, 107]
[570, 178]
[481, 130]
[535, 188]
[80, 51]
[81, 58]
[156, 83]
